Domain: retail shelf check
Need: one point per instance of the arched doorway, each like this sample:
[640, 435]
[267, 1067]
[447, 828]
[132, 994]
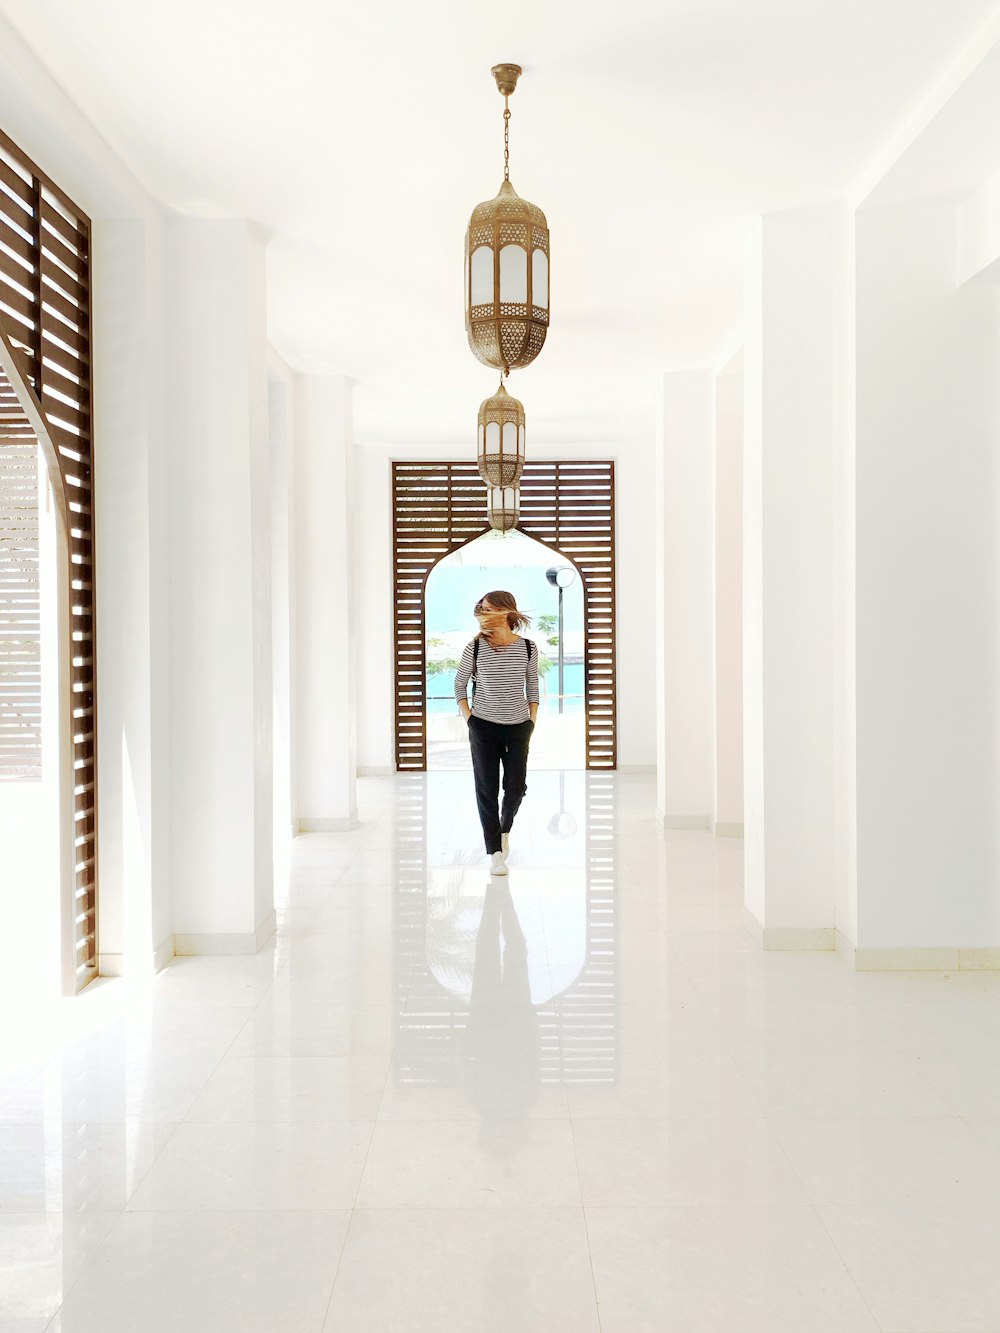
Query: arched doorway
[46, 392]
[568, 507]
[518, 563]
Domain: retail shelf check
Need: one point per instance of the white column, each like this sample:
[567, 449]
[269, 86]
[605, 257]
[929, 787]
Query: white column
[685, 708]
[281, 393]
[789, 725]
[928, 595]
[325, 629]
[133, 578]
[727, 489]
[220, 659]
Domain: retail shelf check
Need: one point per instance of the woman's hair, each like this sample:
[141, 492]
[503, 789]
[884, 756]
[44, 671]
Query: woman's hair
[504, 601]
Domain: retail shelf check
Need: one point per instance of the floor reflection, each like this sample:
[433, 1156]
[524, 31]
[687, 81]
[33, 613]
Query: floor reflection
[505, 986]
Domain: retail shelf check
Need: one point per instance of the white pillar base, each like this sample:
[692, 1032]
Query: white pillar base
[236, 943]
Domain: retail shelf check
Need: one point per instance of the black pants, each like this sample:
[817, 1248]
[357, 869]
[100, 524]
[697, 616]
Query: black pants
[494, 744]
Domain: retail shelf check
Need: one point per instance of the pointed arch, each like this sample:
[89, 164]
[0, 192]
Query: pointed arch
[439, 508]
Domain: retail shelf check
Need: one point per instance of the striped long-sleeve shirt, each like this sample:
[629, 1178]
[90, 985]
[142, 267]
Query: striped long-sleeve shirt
[506, 682]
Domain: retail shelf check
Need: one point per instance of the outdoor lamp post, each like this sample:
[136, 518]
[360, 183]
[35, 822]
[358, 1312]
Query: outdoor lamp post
[561, 576]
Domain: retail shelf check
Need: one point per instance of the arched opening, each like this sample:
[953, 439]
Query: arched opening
[519, 564]
[37, 777]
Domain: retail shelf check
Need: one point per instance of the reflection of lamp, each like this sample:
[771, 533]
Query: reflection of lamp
[561, 577]
[562, 824]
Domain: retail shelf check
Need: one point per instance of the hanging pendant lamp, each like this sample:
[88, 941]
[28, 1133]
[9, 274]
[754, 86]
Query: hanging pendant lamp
[506, 266]
[503, 507]
[501, 439]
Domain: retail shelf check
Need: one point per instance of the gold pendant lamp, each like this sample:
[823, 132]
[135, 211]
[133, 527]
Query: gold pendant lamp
[506, 266]
[501, 439]
[503, 507]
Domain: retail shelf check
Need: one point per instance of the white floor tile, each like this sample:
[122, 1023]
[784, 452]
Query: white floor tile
[474, 1270]
[633, 1163]
[267, 1272]
[918, 1161]
[721, 1270]
[925, 1269]
[497, 1090]
[471, 1164]
[292, 1088]
[57, 1166]
[263, 1165]
[42, 1255]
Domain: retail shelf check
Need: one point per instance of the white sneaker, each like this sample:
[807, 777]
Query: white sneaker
[505, 845]
[498, 866]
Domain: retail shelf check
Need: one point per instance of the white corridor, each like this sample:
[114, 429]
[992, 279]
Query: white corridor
[578, 1099]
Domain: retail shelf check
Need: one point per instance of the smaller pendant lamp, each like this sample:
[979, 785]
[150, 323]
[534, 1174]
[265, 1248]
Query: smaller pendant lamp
[501, 439]
[503, 507]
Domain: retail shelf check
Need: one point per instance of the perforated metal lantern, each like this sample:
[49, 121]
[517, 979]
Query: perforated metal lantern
[506, 267]
[501, 439]
[503, 507]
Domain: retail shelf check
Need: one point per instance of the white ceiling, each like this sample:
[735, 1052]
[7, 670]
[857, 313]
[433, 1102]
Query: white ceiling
[360, 136]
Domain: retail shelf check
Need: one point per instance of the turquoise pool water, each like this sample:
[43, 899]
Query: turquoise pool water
[444, 684]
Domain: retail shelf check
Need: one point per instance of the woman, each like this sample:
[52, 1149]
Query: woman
[504, 673]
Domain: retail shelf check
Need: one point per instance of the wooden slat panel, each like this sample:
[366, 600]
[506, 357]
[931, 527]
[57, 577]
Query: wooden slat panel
[47, 240]
[438, 507]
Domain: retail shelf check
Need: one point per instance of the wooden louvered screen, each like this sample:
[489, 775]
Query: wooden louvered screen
[20, 618]
[438, 507]
[45, 320]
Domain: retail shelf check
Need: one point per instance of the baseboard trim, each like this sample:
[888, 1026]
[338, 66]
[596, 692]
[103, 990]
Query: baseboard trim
[113, 964]
[789, 939]
[110, 965]
[682, 822]
[798, 939]
[224, 945]
[979, 960]
[728, 830]
[163, 954]
[344, 825]
[845, 947]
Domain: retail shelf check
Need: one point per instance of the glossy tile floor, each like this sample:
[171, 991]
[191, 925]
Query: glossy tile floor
[579, 1099]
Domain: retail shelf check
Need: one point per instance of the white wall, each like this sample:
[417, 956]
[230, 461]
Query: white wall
[325, 574]
[220, 608]
[727, 647]
[636, 612]
[928, 586]
[792, 283]
[684, 559]
[281, 432]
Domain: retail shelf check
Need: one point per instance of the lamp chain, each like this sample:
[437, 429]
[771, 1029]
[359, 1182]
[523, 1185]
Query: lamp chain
[506, 138]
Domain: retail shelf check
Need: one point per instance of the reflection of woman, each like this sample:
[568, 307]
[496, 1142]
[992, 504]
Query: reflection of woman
[504, 673]
[504, 1044]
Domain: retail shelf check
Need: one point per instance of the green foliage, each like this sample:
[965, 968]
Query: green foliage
[547, 625]
[439, 665]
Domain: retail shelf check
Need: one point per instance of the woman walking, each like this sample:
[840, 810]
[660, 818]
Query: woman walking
[503, 668]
